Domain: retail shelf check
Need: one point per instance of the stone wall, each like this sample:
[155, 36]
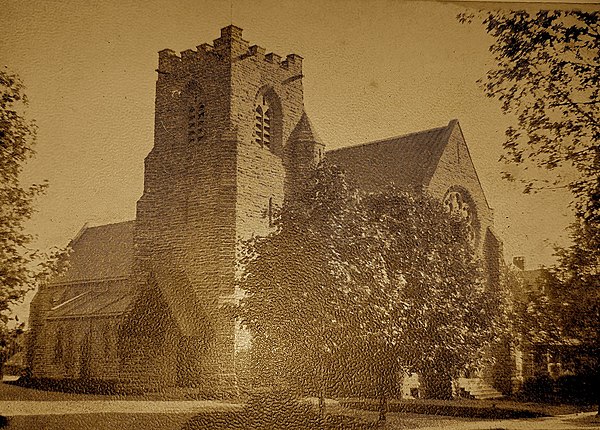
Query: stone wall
[202, 196]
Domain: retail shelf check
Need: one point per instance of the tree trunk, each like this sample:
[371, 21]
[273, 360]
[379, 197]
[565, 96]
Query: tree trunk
[383, 406]
[322, 391]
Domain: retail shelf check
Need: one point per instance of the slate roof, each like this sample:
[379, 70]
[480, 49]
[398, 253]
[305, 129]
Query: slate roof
[94, 303]
[407, 160]
[304, 131]
[102, 252]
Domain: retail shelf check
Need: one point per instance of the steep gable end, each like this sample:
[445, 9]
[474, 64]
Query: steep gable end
[455, 168]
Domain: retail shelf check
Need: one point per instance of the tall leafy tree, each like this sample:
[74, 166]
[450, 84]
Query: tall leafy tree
[387, 283]
[297, 302]
[443, 313]
[577, 296]
[21, 266]
[548, 76]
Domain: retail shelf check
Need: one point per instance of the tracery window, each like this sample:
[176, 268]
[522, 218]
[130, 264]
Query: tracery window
[262, 123]
[457, 203]
[196, 120]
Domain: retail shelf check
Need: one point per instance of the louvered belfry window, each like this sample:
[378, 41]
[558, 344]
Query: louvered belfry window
[196, 119]
[262, 123]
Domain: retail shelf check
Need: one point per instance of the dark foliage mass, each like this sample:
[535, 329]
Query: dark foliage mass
[21, 266]
[548, 77]
[368, 285]
[17, 137]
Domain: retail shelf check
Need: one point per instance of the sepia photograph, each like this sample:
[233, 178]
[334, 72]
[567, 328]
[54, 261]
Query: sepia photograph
[310, 214]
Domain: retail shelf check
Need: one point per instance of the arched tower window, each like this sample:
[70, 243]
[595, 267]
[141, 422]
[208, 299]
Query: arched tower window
[262, 124]
[196, 120]
[459, 203]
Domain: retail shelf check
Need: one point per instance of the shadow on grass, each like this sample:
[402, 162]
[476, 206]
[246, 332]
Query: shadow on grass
[76, 386]
[248, 420]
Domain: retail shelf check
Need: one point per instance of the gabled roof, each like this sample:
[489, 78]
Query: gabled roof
[102, 252]
[94, 303]
[407, 160]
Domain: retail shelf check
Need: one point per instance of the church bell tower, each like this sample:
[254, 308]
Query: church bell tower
[227, 119]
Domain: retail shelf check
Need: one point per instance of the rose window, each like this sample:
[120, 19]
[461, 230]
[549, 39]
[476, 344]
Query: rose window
[456, 203]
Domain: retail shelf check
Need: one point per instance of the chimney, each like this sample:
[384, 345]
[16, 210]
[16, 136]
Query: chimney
[519, 262]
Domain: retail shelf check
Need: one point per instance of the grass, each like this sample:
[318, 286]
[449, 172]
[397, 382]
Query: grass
[14, 392]
[493, 409]
[10, 391]
[402, 419]
[100, 422]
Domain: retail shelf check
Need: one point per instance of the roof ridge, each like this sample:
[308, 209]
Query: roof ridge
[110, 224]
[389, 138]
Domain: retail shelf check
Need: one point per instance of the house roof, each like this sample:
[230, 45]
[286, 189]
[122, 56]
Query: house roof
[532, 279]
[102, 252]
[407, 160]
[94, 303]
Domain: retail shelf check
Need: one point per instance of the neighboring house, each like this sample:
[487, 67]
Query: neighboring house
[142, 303]
[546, 353]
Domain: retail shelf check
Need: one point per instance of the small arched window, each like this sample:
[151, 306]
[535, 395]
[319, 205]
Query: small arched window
[262, 123]
[196, 120]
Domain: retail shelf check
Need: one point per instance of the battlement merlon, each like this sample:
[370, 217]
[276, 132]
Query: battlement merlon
[168, 61]
[229, 46]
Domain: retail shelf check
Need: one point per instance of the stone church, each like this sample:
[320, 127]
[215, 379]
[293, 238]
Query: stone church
[143, 301]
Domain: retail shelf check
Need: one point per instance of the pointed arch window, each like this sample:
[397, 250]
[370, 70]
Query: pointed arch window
[262, 124]
[196, 120]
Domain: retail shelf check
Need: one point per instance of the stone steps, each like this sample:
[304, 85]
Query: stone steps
[478, 389]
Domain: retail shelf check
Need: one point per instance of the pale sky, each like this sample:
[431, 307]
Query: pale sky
[373, 69]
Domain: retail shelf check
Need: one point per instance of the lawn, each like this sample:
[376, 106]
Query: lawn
[100, 422]
[402, 413]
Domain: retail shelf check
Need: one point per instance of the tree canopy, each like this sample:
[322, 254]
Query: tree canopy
[548, 76]
[390, 279]
[21, 266]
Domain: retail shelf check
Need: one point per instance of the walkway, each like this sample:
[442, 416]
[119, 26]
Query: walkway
[561, 422]
[67, 407]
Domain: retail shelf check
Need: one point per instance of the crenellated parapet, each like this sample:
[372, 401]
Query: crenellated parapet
[229, 47]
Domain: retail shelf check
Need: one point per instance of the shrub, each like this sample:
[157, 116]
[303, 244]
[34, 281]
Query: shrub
[538, 389]
[578, 389]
